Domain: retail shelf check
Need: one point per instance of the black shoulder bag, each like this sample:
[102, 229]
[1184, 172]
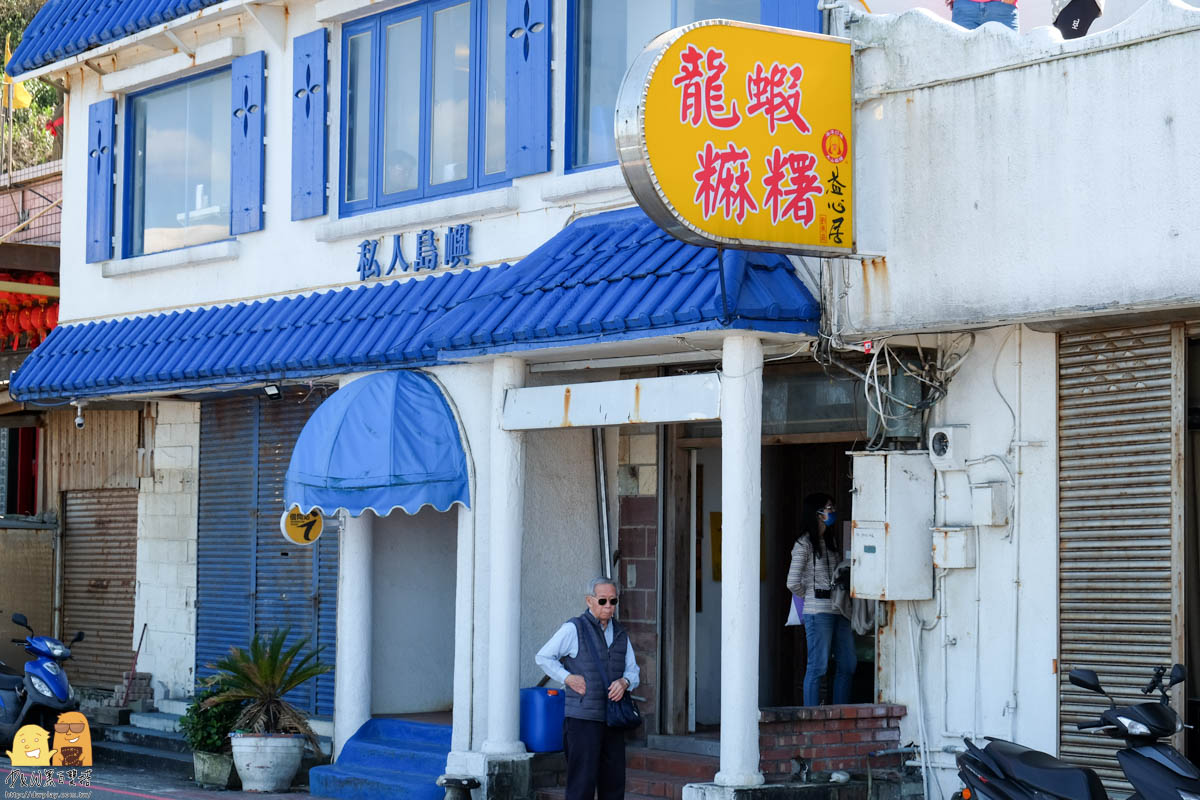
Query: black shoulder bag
[622, 714]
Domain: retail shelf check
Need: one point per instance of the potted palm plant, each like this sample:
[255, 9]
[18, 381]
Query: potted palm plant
[270, 733]
[206, 731]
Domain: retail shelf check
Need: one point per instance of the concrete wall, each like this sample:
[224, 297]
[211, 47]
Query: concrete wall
[978, 676]
[165, 598]
[1005, 177]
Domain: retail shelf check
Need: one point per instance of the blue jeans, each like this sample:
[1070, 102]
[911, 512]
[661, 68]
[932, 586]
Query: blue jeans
[970, 14]
[824, 631]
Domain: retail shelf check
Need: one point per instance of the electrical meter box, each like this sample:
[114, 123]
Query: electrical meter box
[891, 550]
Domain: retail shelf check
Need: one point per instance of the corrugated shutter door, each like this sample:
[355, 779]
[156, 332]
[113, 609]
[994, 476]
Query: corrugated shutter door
[1115, 392]
[252, 580]
[99, 571]
[225, 541]
[285, 596]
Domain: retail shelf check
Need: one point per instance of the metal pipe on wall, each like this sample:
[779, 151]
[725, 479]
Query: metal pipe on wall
[606, 561]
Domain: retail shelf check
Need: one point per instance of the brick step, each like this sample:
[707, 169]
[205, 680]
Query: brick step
[689, 767]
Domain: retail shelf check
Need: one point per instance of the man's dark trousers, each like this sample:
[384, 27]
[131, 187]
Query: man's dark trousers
[595, 759]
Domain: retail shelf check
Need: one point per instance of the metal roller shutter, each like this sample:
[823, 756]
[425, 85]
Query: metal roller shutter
[99, 572]
[225, 542]
[252, 580]
[1117, 557]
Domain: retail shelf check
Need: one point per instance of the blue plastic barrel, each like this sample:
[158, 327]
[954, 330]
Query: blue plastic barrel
[542, 719]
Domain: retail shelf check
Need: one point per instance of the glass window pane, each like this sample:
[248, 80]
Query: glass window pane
[181, 165]
[358, 116]
[451, 94]
[608, 39]
[493, 140]
[402, 107]
[742, 10]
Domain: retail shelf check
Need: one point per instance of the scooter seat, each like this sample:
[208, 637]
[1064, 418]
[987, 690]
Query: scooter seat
[1045, 772]
[10, 681]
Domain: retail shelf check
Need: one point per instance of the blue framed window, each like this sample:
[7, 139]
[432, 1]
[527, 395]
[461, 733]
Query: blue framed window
[606, 35]
[423, 103]
[177, 182]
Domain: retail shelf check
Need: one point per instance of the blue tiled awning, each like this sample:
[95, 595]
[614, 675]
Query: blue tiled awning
[385, 441]
[608, 278]
[63, 28]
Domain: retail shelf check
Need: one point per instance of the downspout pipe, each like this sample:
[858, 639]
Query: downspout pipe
[598, 451]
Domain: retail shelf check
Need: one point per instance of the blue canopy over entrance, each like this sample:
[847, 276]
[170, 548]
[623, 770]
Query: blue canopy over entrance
[385, 441]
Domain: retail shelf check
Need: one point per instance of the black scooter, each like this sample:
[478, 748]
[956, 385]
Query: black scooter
[1007, 771]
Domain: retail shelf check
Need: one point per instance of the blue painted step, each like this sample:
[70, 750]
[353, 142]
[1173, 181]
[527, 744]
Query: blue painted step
[387, 758]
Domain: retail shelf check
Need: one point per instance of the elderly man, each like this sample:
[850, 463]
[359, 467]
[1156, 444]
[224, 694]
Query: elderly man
[595, 752]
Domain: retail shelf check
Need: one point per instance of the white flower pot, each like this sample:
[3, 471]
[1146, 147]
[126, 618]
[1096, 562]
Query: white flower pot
[266, 762]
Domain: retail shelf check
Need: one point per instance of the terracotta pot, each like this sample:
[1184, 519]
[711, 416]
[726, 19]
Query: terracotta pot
[267, 762]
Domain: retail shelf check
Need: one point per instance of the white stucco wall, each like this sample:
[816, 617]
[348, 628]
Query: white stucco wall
[968, 651]
[1004, 176]
[165, 599]
[312, 254]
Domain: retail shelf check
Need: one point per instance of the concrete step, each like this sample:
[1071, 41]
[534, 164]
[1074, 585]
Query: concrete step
[161, 762]
[390, 758]
[700, 746]
[155, 720]
[414, 757]
[173, 706]
[559, 793]
[168, 741]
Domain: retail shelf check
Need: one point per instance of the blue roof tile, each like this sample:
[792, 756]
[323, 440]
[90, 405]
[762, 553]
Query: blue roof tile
[64, 28]
[611, 277]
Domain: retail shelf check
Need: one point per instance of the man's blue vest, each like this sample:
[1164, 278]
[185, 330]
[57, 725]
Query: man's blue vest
[593, 703]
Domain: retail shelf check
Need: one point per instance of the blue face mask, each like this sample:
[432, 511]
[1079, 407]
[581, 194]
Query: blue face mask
[830, 518]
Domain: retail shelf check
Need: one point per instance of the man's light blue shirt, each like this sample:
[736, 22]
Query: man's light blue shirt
[565, 642]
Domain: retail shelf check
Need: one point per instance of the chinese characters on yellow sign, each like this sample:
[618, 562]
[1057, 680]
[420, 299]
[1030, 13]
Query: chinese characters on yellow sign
[740, 135]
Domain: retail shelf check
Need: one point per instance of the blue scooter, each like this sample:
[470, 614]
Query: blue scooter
[39, 695]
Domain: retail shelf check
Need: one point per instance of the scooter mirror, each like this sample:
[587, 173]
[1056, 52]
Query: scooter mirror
[1178, 675]
[78, 637]
[19, 619]
[1086, 679]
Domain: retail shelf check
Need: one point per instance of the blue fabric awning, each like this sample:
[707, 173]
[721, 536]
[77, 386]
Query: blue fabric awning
[385, 441]
[607, 278]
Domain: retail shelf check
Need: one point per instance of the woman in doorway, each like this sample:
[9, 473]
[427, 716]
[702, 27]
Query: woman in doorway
[815, 556]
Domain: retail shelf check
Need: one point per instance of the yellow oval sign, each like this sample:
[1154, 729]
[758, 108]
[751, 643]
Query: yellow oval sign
[737, 134]
[302, 529]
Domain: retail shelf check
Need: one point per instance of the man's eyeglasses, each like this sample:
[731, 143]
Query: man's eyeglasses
[604, 601]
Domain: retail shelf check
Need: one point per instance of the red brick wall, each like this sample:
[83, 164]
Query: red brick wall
[638, 576]
[829, 737]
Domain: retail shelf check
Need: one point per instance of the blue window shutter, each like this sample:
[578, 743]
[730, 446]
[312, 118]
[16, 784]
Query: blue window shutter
[527, 87]
[101, 130]
[246, 144]
[802, 15]
[310, 160]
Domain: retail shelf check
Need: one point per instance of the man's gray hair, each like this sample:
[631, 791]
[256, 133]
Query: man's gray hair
[600, 581]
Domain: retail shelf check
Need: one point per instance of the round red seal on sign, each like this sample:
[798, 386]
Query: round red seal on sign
[833, 145]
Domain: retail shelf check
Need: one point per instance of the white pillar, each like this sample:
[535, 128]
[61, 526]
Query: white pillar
[741, 498]
[352, 681]
[506, 512]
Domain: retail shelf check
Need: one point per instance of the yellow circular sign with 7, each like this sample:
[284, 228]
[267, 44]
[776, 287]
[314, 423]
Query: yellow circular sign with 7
[302, 529]
[740, 135]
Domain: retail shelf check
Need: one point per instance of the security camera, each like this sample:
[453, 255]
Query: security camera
[78, 416]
